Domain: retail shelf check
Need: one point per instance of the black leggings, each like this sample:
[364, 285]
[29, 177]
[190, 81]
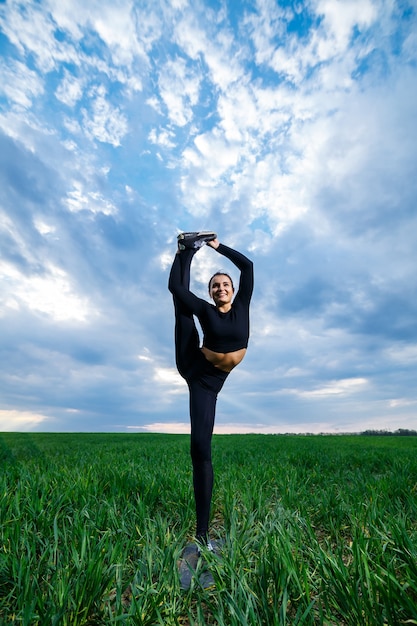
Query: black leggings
[204, 383]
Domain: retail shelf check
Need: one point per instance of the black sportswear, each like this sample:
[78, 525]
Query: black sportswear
[223, 332]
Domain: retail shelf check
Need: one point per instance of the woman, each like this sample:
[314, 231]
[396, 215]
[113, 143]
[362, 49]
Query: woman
[226, 333]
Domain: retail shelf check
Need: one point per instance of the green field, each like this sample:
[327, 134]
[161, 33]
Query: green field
[317, 530]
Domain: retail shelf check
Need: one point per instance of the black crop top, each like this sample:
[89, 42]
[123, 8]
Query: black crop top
[223, 332]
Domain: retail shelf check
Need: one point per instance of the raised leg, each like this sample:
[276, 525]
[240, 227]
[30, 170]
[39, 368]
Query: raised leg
[187, 340]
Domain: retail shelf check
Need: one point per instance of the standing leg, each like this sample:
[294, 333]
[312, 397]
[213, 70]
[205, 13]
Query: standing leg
[202, 413]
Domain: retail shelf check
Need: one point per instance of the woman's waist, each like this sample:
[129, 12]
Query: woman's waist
[225, 361]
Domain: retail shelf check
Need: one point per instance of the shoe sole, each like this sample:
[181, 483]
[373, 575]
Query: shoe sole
[198, 235]
[189, 240]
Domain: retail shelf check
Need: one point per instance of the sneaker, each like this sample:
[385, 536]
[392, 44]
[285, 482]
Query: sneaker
[195, 240]
[205, 544]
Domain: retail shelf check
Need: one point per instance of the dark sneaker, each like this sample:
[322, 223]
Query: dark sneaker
[195, 240]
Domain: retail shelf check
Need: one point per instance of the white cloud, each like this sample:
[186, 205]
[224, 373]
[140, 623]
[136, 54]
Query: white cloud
[51, 294]
[264, 26]
[338, 387]
[406, 354]
[78, 199]
[401, 402]
[232, 428]
[115, 25]
[169, 377]
[32, 30]
[197, 40]
[179, 87]
[340, 19]
[14, 420]
[126, 30]
[70, 89]
[105, 122]
[42, 227]
[175, 428]
[163, 138]
[226, 154]
[20, 84]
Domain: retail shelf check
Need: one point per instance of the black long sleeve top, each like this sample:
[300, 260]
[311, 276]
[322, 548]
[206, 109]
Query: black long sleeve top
[222, 332]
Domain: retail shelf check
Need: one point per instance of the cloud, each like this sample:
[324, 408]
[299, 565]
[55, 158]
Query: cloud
[104, 121]
[79, 200]
[20, 420]
[170, 378]
[20, 84]
[338, 387]
[70, 90]
[50, 293]
[179, 87]
[197, 34]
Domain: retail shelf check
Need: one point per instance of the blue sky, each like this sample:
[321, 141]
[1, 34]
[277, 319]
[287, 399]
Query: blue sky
[290, 128]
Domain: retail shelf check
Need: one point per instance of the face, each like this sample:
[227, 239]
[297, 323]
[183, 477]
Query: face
[221, 290]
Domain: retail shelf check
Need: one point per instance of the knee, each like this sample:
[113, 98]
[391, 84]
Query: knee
[200, 450]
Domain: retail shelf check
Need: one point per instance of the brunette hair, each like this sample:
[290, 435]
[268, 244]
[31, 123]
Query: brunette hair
[220, 273]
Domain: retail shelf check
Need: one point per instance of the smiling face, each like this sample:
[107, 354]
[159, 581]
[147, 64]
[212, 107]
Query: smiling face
[221, 290]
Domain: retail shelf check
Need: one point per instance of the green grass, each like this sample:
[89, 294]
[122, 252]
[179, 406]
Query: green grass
[317, 530]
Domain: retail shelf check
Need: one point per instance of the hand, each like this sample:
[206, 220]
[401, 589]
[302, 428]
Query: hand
[214, 244]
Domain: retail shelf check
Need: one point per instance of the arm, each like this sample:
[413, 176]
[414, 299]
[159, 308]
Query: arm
[244, 264]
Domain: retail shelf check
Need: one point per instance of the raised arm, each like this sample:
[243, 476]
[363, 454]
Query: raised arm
[242, 262]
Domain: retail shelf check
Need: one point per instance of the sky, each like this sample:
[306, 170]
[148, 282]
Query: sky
[289, 128]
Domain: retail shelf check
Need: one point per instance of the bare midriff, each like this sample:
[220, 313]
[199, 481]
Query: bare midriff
[225, 361]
